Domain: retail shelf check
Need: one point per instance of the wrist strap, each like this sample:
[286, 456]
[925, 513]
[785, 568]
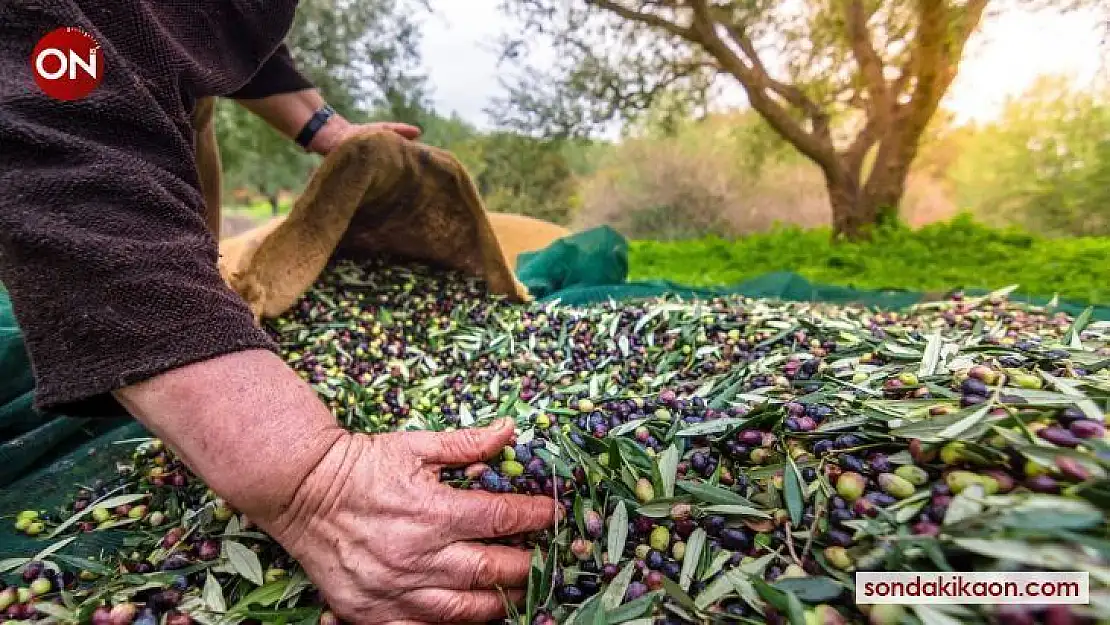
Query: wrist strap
[313, 125]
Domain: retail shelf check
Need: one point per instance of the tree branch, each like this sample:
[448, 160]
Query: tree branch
[870, 65]
[790, 93]
[860, 146]
[817, 147]
[647, 19]
[941, 38]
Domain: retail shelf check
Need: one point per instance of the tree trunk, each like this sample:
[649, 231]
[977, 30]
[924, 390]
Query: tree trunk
[852, 214]
[275, 205]
[857, 211]
[859, 207]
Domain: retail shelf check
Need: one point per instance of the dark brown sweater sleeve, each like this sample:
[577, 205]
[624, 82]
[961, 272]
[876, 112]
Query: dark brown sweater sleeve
[277, 75]
[103, 247]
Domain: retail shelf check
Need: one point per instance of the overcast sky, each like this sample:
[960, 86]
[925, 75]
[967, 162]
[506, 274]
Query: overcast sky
[1002, 60]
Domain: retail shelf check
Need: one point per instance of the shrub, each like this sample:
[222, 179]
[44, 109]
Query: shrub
[720, 176]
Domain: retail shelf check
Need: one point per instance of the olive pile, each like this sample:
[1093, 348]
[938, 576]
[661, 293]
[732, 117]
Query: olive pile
[720, 461]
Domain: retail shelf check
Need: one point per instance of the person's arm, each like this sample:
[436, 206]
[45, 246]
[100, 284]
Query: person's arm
[286, 100]
[113, 277]
[365, 515]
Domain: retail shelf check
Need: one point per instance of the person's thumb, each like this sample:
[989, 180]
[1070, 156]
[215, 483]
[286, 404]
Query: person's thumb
[463, 446]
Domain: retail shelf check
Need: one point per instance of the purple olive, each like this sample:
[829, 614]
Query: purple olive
[635, 591]
[735, 539]
[1042, 484]
[1058, 436]
[973, 386]
[1086, 428]
[609, 572]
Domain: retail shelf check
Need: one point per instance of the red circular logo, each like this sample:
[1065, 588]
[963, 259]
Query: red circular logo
[67, 64]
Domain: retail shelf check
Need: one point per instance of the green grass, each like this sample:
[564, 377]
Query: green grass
[939, 257]
[259, 211]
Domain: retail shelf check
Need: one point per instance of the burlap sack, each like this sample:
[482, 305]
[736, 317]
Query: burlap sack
[518, 234]
[378, 193]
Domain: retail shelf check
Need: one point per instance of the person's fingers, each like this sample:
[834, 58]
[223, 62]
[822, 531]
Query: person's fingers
[472, 566]
[405, 130]
[476, 514]
[448, 606]
[463, 446]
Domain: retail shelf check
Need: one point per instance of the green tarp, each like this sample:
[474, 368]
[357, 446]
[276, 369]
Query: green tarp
[41, 460]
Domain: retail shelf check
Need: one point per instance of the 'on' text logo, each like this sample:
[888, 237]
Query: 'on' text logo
[67, 64]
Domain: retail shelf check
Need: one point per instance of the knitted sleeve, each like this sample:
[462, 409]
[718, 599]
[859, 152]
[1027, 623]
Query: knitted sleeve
[103, 245]
[277, 75]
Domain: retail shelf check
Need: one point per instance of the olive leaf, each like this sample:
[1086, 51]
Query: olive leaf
[795, 498]
[627, 427]
[736, 510]
[705, 428]
[213, 594]
[579, 514]
[104, 502]
[678, 594]
[629, 613]
[718, 589]
[694, 546]
[1071, 337]
[811, 589]
[243, 561]
[1046, 512]
[785, 602]
[1056, 557]
[966, 505]
[930, 430]
[298, 582]
[614, 594]
[959, 428]
[658, 508]
[618, 532]
[668, 469]
[90, 565]
[712, 494]
[930, 360]
[11, 564]
[61, 613]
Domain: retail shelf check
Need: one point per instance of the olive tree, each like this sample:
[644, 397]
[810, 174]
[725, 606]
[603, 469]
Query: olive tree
[851, 84]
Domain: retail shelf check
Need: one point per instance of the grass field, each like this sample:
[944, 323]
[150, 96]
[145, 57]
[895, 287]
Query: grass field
[938, 257]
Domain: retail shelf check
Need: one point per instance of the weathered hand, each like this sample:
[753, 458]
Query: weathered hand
[386, 542]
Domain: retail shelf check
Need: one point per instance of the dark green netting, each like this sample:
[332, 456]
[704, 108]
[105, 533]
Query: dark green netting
[42, 461]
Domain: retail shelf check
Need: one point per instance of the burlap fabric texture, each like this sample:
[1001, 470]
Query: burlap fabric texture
[378, 193]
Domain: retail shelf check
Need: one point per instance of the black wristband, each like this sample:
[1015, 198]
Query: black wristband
[319, 118]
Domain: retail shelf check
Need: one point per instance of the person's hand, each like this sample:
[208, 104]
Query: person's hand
[386, 542]
[366, 516]
[338, 129]
[288, 112]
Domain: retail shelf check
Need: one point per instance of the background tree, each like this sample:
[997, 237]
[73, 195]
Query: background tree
[364, 57]
[851, 84]
[525, 175]
[1044, 163]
